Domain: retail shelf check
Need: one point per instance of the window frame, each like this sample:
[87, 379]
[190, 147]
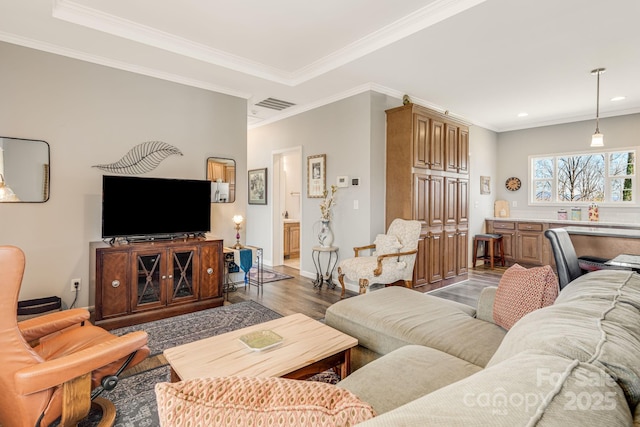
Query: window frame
[634, 203]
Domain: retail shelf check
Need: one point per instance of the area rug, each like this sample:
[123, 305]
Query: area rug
[134, 397]
[178, 330]
[268, 275]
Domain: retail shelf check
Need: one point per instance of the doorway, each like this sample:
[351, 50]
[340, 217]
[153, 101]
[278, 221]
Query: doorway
[287, 206]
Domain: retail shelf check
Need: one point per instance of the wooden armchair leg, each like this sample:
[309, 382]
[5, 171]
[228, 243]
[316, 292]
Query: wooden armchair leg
[364, 284]
[408, 284]
[341, 280]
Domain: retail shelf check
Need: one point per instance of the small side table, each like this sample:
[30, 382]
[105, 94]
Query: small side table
[332, 261]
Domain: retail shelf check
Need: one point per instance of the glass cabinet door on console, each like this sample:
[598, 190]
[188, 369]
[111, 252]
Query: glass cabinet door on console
[182, 268]
[164, 276]
[148, 291]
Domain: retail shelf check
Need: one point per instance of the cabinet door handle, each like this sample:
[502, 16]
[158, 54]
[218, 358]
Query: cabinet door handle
[164, 277]
[209, 270]
[171, 276]
[115, 283]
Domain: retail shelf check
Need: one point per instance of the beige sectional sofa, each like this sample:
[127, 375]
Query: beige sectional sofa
[576, 362]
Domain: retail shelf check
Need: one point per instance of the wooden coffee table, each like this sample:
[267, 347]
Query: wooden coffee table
[309, 347]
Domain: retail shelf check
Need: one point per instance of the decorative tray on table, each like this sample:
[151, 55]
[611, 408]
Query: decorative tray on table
[261, 340]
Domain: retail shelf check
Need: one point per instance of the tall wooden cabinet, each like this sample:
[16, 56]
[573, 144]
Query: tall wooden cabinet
[427, 180]
[140, 282]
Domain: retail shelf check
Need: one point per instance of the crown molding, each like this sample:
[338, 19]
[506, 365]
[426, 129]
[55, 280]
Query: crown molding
[94, 19]
[374, 87]
[120, 65]
[431, 14]
[435, 12]
[571, 119]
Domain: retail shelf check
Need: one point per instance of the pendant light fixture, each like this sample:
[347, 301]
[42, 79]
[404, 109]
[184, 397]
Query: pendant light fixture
[597, 139]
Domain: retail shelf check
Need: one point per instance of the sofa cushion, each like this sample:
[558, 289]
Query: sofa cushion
[521, 291]
[237, 401]
[404, 374]
[596, 320]
[390, 318]
[528, 389]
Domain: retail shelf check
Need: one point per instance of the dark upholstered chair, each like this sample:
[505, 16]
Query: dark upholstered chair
[51, 364]
[568, 265]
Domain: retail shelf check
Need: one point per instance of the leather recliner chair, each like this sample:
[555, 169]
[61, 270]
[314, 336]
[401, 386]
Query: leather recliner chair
[51, 364]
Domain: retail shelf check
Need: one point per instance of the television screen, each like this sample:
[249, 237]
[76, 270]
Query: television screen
[135, 206]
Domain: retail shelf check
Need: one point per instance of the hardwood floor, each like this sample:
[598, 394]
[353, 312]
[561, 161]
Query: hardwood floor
[297, 295]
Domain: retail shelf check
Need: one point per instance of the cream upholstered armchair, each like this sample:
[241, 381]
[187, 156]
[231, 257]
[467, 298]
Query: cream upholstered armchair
[392, 259]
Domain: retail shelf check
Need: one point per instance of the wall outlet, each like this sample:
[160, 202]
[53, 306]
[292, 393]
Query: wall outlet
[75, 285]
[514, 204]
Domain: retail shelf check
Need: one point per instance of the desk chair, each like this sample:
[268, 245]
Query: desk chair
[568, 265]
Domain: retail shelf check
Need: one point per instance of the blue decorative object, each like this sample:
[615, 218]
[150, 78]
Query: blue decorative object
[246, 261]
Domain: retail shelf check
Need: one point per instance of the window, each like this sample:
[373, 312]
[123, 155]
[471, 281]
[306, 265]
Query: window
[607, 177]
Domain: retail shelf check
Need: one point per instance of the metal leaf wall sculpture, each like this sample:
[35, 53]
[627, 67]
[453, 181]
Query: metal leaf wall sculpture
[142, 158]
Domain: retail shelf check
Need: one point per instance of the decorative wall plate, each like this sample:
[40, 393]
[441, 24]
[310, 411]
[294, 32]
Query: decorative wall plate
[513, 184]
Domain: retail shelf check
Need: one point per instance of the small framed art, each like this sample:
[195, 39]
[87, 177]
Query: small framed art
[258, 186]
[485, 185]
[316, 175]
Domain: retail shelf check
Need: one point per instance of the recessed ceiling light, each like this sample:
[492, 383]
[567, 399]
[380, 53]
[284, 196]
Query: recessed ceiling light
[618, 98]
[523, 114]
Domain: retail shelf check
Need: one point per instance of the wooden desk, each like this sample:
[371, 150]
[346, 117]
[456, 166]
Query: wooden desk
[309, 347]
[627, 261]
[604, 242]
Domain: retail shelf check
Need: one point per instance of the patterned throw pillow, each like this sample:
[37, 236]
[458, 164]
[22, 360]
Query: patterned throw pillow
[239, 401]
[521, 291]
[387, 244]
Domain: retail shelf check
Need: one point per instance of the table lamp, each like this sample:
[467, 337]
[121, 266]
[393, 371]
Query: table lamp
[237, 219]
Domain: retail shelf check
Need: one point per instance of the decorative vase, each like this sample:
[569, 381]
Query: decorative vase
[325, 237]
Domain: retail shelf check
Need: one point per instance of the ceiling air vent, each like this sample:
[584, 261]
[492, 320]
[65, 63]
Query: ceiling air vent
[275, 104]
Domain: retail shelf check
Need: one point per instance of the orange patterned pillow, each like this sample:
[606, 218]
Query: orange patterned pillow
[522, 291]
[239, 401]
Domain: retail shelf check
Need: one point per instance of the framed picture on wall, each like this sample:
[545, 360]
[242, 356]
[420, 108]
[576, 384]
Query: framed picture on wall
[258, 186]
[316, 175]
[485, 185]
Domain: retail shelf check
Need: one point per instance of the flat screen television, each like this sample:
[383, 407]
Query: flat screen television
[139, 207]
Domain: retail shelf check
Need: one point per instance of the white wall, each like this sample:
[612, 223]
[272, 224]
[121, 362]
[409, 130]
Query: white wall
[483, 158]
[92, 114]
[351, 134]
[514, 149]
